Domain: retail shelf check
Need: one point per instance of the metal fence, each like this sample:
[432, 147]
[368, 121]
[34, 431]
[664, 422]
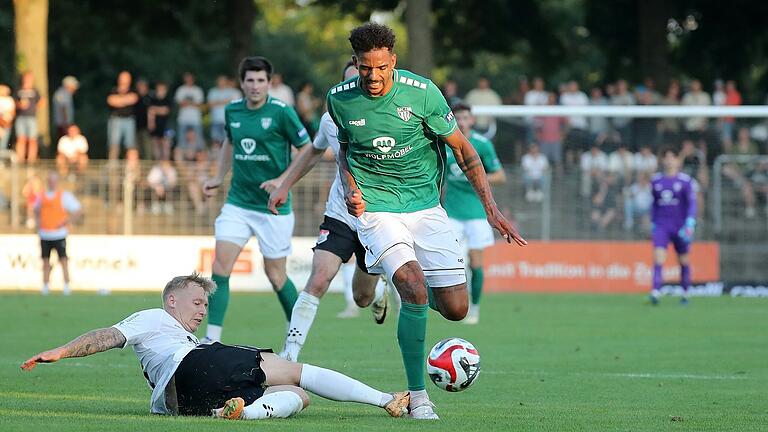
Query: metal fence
[122, 199]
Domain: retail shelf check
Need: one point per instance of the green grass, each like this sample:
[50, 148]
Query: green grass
[549, 363]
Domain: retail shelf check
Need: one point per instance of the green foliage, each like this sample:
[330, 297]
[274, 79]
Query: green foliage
[549, 363]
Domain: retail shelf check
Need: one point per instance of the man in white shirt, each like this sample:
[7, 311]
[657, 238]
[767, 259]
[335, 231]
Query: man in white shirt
[7, 113]
[188, 378]
[535, 166]
[483, 94]
[278, 89]
[72, 149]
[593, 164]
[218, 97]
[189, 97]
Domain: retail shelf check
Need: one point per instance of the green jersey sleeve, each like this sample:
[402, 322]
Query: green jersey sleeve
[226, 123]
[437, 114]
[294, 131]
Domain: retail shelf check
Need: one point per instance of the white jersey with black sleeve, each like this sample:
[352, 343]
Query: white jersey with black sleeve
[335, 207]
[160, 343]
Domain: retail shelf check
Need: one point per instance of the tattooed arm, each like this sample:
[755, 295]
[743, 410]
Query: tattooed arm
[469, 161]
[95, 341]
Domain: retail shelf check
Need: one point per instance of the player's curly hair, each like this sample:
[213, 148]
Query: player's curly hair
[370, 36]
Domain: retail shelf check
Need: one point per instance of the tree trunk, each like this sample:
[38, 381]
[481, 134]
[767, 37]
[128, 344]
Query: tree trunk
[418, 19]
[31, 29]
[242, 14]
[652, 52]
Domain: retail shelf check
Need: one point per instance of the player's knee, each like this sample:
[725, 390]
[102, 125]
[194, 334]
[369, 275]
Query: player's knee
[303, 395]
[318, 285]
[410, 283]
[362, 298]
[456, 311]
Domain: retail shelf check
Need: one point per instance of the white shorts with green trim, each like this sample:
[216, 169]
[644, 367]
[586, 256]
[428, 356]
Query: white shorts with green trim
[273, 232]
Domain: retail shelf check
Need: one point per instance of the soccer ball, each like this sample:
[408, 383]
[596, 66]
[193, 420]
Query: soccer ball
[453, 364]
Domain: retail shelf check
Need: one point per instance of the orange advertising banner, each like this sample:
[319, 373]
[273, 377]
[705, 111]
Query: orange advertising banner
[590, 266]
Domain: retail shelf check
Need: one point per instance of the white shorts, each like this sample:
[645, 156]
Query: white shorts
[474, 233]
[273, 232]
[393, 239]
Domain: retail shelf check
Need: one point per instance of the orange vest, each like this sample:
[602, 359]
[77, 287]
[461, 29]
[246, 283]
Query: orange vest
[52, 213]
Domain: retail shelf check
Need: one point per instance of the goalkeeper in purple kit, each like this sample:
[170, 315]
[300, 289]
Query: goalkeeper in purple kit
[673, 218]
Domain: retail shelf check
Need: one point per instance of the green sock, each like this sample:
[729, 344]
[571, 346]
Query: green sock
[287, 296]
[431, 298]
[217, 303]
[477, 284]
[411, 331]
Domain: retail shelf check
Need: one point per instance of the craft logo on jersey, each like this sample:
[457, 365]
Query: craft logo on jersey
[384, 144]
[266, 122]
[234, 124]
[404, 113]
[248, 145]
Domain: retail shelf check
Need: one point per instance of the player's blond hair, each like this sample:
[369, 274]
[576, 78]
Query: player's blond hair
[180, 282]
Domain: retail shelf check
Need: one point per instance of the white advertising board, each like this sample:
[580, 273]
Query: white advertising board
[143, 263]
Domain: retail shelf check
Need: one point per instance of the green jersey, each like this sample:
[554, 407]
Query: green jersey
[261, 142]
[461, 201]
[393, 147]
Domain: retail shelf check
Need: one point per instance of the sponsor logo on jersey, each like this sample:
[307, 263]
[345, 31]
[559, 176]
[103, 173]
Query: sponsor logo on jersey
[405, 113]
[449, 117]
[360, 122]
[266, 122]
[394, 155]
[383, 144]
[323, 236]
[234, 125]
[302, 133]
[248, 145]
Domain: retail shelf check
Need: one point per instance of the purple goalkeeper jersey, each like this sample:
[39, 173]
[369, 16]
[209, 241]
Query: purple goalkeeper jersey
[674, 200]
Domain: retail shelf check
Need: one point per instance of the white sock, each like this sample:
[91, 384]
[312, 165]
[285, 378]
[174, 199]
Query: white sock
[378, 293]
[46, 288]
[339, 387]
[282, 404]
[213, 332]
[418, 397]
[302, 317]
[347, 273]
[66, 288]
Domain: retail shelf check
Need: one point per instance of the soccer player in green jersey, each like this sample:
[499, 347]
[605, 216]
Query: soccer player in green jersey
[464, 208]
[391, 123]
[260, 131]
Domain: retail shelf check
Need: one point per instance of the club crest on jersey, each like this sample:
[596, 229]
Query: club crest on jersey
[248, 145]
[404, 113]
[384, 144]
[266, 123]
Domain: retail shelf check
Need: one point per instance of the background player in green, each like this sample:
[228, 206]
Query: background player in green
[259, 133]
[391, 163]
[464, 208]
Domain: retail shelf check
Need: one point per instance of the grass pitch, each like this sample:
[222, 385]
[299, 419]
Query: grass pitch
[549, 363]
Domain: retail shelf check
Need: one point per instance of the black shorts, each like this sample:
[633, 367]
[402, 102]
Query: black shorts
[59, 245]
[337, 238]
[212, 374]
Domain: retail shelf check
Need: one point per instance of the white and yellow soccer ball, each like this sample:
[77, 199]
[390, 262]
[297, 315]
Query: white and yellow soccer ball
[453, 364]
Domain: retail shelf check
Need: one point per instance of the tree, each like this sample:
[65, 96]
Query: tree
[418, 18]
[31, 31]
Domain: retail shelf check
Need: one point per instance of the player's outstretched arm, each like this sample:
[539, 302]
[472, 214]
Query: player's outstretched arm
[470, 163]
[352, 195]
[299, 167]
[223, 165]
[95, 341]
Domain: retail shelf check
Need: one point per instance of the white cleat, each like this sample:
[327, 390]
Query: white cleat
[379, 309]
[425, 411]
